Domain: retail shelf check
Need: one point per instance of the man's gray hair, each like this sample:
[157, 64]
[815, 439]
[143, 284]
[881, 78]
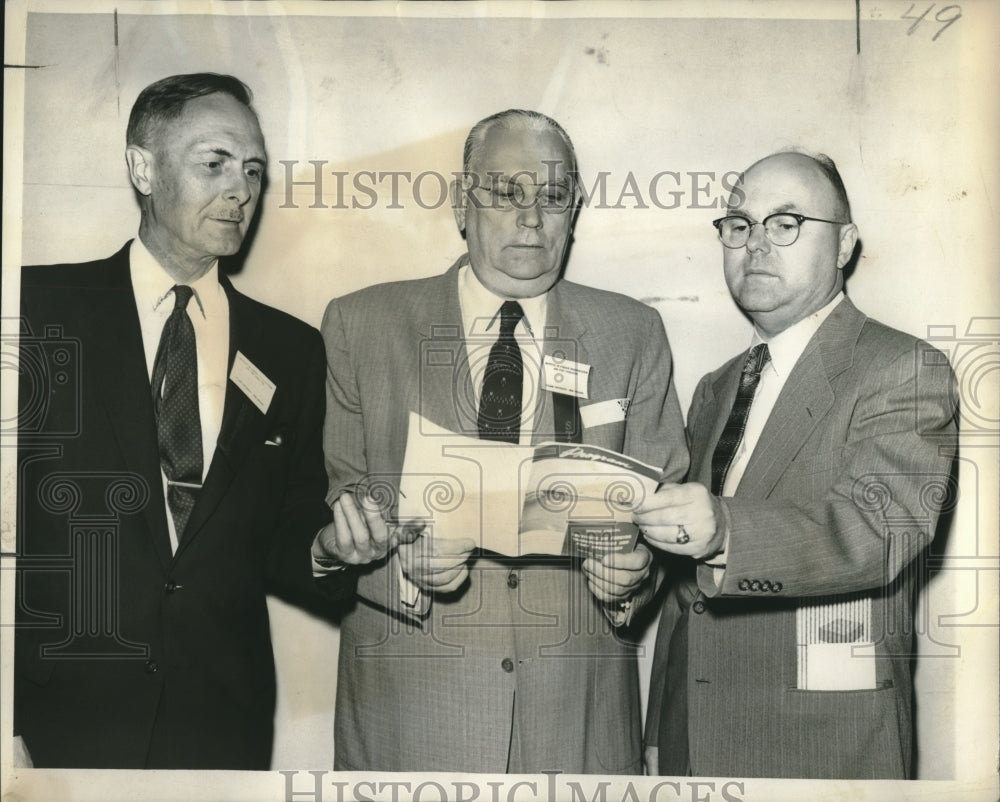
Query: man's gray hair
[475, 142]
[165, 99]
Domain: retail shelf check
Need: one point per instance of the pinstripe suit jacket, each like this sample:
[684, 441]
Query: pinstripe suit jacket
[437, 693]
[840, 495]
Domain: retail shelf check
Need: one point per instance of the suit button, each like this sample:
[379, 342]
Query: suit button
[507, 665]
[511, 580]
[765, 584]
[698, 607]
[776, 587]
[744, 584]
[151, 667]
[755, 584]
[171, 586]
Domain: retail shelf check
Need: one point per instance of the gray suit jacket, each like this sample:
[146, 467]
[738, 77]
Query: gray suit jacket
[437, 693]
[840, 495]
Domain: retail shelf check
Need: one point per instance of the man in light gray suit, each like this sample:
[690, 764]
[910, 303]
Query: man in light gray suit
[456, 658]
[820, 460]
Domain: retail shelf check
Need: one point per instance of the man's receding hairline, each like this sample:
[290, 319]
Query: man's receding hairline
[158, 124]
[821, 165]
[513, 120]
[168, 98]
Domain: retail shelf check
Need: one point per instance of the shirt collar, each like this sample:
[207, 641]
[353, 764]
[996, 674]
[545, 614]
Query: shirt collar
[152, 285]
[786, 348]
[481, 307]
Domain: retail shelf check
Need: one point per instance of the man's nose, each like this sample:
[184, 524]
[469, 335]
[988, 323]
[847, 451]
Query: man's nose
[238, 188]
[529, 215]
[757, 240]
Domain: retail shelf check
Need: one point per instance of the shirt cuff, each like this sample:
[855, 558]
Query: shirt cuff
[324, 565]
[409, 593]
[719, 560]
[618, 613]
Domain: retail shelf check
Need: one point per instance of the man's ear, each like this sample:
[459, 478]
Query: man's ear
[848, 239]
[458, 204]
[140, 168]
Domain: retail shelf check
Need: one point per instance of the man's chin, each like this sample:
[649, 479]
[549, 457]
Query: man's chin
[227, 246]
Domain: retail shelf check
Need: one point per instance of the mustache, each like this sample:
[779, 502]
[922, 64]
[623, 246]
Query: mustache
[234, 215]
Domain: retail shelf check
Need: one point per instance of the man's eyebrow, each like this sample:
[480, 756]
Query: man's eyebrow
[736, 211]
[223, 152]
[503, 178]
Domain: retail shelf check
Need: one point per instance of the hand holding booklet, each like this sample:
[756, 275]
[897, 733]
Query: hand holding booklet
[549, 499]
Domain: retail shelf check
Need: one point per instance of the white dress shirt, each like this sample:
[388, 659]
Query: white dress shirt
[784, 350]
[209, 313]
[481, 326]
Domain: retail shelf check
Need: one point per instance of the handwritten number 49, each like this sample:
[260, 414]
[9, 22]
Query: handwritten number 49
[942, 16]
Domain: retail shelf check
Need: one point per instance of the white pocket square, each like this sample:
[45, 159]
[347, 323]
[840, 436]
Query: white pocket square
[610, 411]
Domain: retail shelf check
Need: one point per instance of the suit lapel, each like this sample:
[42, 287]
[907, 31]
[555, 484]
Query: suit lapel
[804, 401]
[445, 394]
[122, 379]
[242, 421]
[565, 332]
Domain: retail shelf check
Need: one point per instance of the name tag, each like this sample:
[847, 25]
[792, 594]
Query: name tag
[565, 376]
[251, 380]
[602, 412]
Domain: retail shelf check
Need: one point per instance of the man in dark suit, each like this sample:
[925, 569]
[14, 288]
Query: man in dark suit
[820, 460]
[171, 470]
[456, 658]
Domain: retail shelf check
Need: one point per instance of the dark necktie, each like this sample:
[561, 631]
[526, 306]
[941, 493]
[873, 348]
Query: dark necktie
[732, 434]
[175, 404]
[503, 382]
[673, 749]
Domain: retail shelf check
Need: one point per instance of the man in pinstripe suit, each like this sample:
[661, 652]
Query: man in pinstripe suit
[819, 463]
[456, 658]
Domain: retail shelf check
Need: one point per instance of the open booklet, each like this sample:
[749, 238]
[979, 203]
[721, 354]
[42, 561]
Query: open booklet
[549, 499]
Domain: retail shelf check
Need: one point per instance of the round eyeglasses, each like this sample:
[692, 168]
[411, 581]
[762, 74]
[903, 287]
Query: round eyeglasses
[551, 198]
[781, 229]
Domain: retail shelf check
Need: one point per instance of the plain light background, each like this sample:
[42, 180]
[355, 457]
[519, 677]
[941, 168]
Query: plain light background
[910, 121]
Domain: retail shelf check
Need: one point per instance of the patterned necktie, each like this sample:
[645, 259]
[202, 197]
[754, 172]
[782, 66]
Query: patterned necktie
[175, 405]
[674, 751]
[503, 382]
[732, 434]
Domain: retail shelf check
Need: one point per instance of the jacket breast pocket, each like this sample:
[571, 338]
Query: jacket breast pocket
[280, 439]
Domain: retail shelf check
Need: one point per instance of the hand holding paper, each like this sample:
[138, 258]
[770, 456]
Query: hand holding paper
[358, 533]
[681, 519]
[436, 563]
[617, 577]
[521, 500]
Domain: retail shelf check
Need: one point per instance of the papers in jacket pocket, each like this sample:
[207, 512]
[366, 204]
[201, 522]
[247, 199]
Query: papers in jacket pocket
[550, 499]
[835, 647]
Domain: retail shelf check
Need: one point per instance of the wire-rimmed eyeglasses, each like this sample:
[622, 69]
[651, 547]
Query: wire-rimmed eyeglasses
[512, 195]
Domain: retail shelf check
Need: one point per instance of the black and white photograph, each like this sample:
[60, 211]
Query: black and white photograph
[500, 401]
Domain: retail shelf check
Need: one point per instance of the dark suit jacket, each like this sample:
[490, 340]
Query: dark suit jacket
[840, 495]
[128, 656]
[438, 693]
